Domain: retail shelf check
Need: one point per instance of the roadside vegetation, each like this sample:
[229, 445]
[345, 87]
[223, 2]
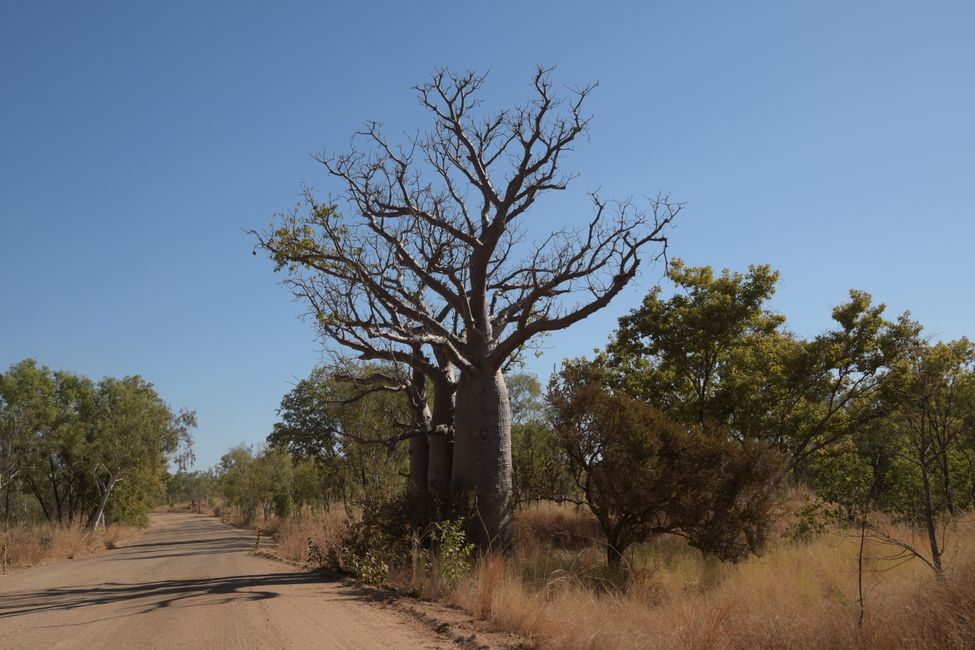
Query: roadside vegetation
[707, 479]
[81, 462]
[776, 519]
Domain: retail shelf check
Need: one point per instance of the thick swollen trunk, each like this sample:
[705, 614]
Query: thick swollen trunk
[441, 446]
[482, 455]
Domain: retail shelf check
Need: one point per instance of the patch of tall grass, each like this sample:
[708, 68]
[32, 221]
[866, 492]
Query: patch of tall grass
[32, 544]
[796, 595]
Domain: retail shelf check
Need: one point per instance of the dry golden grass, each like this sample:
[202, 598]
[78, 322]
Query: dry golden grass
[288, 538]
[38, 543]
[794, 596]
[556, 591]
[323, 528]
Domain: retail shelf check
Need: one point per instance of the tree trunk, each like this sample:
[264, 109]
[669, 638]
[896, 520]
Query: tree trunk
[52, 476]
[419, 444]
[441, 447]
[100, 511]
[6, 507]
[40, 499]
[614, 557]
[482, 454]
[929, 517]
[946, 479]
[419, 463]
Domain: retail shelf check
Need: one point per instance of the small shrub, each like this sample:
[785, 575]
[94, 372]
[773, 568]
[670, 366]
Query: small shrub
[812, 520]
[453, 550]
[369, 567]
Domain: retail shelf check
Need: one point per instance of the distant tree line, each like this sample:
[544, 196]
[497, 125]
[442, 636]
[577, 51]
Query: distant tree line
[73, 450]
[327, 449]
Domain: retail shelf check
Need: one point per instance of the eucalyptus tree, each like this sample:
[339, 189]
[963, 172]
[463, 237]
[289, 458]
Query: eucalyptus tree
[433, 254]
[47, 412]
[69, 442]
[19, 412]
[715, 355]
[932, 390]
[351, 431]
[133, 436]
[28, 410]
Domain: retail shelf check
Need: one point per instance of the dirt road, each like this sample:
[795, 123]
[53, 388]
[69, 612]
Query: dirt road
[191, 582]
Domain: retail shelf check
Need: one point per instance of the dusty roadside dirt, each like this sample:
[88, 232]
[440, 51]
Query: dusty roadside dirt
[192, 582]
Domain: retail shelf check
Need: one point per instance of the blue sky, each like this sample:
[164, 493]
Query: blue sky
[833, 140]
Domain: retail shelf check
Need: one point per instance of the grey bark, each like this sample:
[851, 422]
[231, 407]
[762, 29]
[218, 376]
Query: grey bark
[441, 447]
[419, 444]
[482, 454]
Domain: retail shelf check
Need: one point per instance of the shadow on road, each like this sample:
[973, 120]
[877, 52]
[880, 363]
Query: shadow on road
[149, 596]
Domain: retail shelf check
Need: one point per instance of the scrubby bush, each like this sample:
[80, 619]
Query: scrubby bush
[642, 474]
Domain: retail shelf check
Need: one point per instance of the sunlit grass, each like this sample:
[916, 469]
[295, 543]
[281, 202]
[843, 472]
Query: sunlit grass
[797, 595]
[32, 544]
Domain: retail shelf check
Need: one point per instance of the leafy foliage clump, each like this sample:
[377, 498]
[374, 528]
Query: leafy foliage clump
[643, 474]
[404, 530]
[453, 550]
[812, 520]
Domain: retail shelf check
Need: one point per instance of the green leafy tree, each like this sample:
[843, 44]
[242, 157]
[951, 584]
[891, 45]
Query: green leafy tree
[27, 408]
[133, 437]
[931, 390]
[239, 482]
[192, 487]
[539, 465]
[308, 425]
[643, 474]
[714, 355]
[683, 354]
[81, 449]
[62, 410]
[355, 436]
[316, 483]
[527, 400]
[277, 468]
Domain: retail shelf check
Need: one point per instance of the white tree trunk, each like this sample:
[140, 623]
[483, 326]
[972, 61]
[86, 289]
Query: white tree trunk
[106, 490]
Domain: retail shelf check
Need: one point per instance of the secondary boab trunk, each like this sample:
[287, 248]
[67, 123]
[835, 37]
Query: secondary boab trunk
[419, 443]
[441, 444]
[482, 454]
[419, 464]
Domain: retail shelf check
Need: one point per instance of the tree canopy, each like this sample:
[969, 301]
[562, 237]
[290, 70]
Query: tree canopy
[80, 448]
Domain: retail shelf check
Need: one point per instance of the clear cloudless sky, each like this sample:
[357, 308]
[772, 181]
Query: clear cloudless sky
[833, 140]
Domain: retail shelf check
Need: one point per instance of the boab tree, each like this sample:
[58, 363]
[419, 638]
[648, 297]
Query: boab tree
[347, 314]
[434, 254]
